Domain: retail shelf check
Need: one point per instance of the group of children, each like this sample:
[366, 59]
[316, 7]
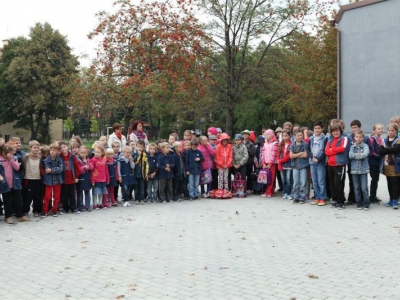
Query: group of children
[88, 179]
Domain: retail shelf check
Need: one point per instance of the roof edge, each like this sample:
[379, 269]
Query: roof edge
[354, 5]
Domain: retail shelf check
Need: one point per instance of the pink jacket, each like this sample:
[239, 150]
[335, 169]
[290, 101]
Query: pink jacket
[208, 153]
[270, 151]
[100, 170]
[82, 169]
[8, 166]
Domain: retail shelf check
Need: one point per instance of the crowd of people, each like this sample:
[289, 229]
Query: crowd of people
[67, 177]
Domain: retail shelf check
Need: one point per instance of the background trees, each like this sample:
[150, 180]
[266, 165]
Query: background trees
[34, 73]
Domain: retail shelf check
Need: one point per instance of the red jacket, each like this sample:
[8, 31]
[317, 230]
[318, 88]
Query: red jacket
[71, 168]
[223, 156]
[100, 170]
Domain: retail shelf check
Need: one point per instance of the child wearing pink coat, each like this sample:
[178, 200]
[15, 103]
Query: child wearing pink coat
[270, 160]
[208, 153]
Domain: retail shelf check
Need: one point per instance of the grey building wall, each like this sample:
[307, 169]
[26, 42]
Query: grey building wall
[370, 64]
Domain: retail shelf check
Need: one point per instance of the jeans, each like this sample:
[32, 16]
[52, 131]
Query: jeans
[360, 182]
[318, 174]
[80, 199]
[194, 185]
[152, 189]
[139, 189]
[300, 183]
[374, 173]
[285, 175]
[125, 192]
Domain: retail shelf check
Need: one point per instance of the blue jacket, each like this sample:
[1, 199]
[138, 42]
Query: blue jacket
[162, 162]
[179, 168]
[4, 188]
[112, 172]
[192, 166]
[359, 158]
[299, 163]
[57, 171]
[317, 149]
[126, 171]
[374, 158]
[365, 141]
[84, 183]
[152, 160]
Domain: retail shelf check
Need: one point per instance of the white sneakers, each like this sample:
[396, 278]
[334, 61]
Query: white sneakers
[126, 204]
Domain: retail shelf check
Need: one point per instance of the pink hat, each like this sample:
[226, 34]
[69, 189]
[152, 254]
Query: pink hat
[270, 132]
[212, 130]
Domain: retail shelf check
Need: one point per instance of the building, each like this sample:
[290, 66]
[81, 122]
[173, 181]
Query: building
[7, 130]
[368, 62]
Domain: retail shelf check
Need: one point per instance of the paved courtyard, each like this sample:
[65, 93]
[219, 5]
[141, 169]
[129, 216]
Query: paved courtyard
[252, 248]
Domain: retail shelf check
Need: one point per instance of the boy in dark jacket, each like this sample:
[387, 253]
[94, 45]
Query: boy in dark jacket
[179, 171]
[141, 171]
[194, 158]
[152, 178]
[165, 164]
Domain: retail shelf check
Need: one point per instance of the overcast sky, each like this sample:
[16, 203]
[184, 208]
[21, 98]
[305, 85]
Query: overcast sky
[73, 18]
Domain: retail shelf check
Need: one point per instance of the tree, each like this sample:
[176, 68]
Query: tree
[152, 58]
[94, 126]
[68, 125]
[235, 26]
[40, 68]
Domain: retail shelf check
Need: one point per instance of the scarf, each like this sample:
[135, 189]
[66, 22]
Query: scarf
[141, 136]
[119, 135]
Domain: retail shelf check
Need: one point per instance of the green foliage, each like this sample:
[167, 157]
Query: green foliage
[33, 78]
[94, 125]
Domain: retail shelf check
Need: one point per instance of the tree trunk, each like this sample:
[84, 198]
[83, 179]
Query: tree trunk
[127, 120]
[46, 129]
[229, 120]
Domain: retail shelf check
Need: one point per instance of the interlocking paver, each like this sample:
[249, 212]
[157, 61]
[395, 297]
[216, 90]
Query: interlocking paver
[203, 249]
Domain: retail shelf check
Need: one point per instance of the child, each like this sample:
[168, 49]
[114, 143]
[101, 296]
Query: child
[299, 163]
[187, 136]
[251, 150]
[12, 185]
[374, 161]
[75, 149]
[223, 161]
[132, 144]
[214, 170]
[285, 164]
[390, 150]
[99, 178]
[240, 156]
[186, 147]
[179, 172]
[152, 178]
[270, 160]
[53, 178]
[208, 154]
[117, 153]
[71, 175]
[126, 167]
[76, 139]
[359, 170]
[316, 159]
[141, 171]
[165, 163]
[32, 191]
[112, 165]
[173, 137]
[84, 186]
[337, 158]
[194, 158]
[104, 142]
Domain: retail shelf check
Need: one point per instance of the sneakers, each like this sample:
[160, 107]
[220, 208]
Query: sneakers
[191, 199]
[334, 204]
[315, 202]
[340, 206]
[36, 215]
[23, 219]
[10, 220]
[366, 208]
[289, 197]
[301, 202]
[76, 211]
[27, 215]
[55, 214]
[389, 204]
[205, 195]
[141, 202]
[137, 202]
[395, 204]
[284, 196]
[95, 207]
[359, 207]
[61, 212]
[321, 203]
[126, 204]
[114, 204]
[295, 201]
[164, 202]
[43, 215]
[106, 205]
[263, 195]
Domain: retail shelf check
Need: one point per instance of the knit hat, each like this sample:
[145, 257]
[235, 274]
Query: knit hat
[246, 131]
[238, 136]
[260, 139]
[212, 130]
[219, 130]
[279, 129]
[213, 137]
[224, 136]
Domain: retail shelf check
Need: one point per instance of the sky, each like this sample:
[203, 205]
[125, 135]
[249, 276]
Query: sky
[73, 18]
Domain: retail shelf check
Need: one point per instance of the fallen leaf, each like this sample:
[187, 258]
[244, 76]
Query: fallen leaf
[191, 274]
[223, 268]
[243, 238]
[60, 229]
[84, 242]
[120, 297]
[67, 296]
[205, 268]
[312, 276]
[8, 240]
[67, 268]
[130, 259]
[129, 219]
[180, 235]
[80, 227]
[237, 212]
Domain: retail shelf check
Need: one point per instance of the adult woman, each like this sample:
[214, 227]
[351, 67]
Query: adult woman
[390, 150]
[117, 137]
[138, 133]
